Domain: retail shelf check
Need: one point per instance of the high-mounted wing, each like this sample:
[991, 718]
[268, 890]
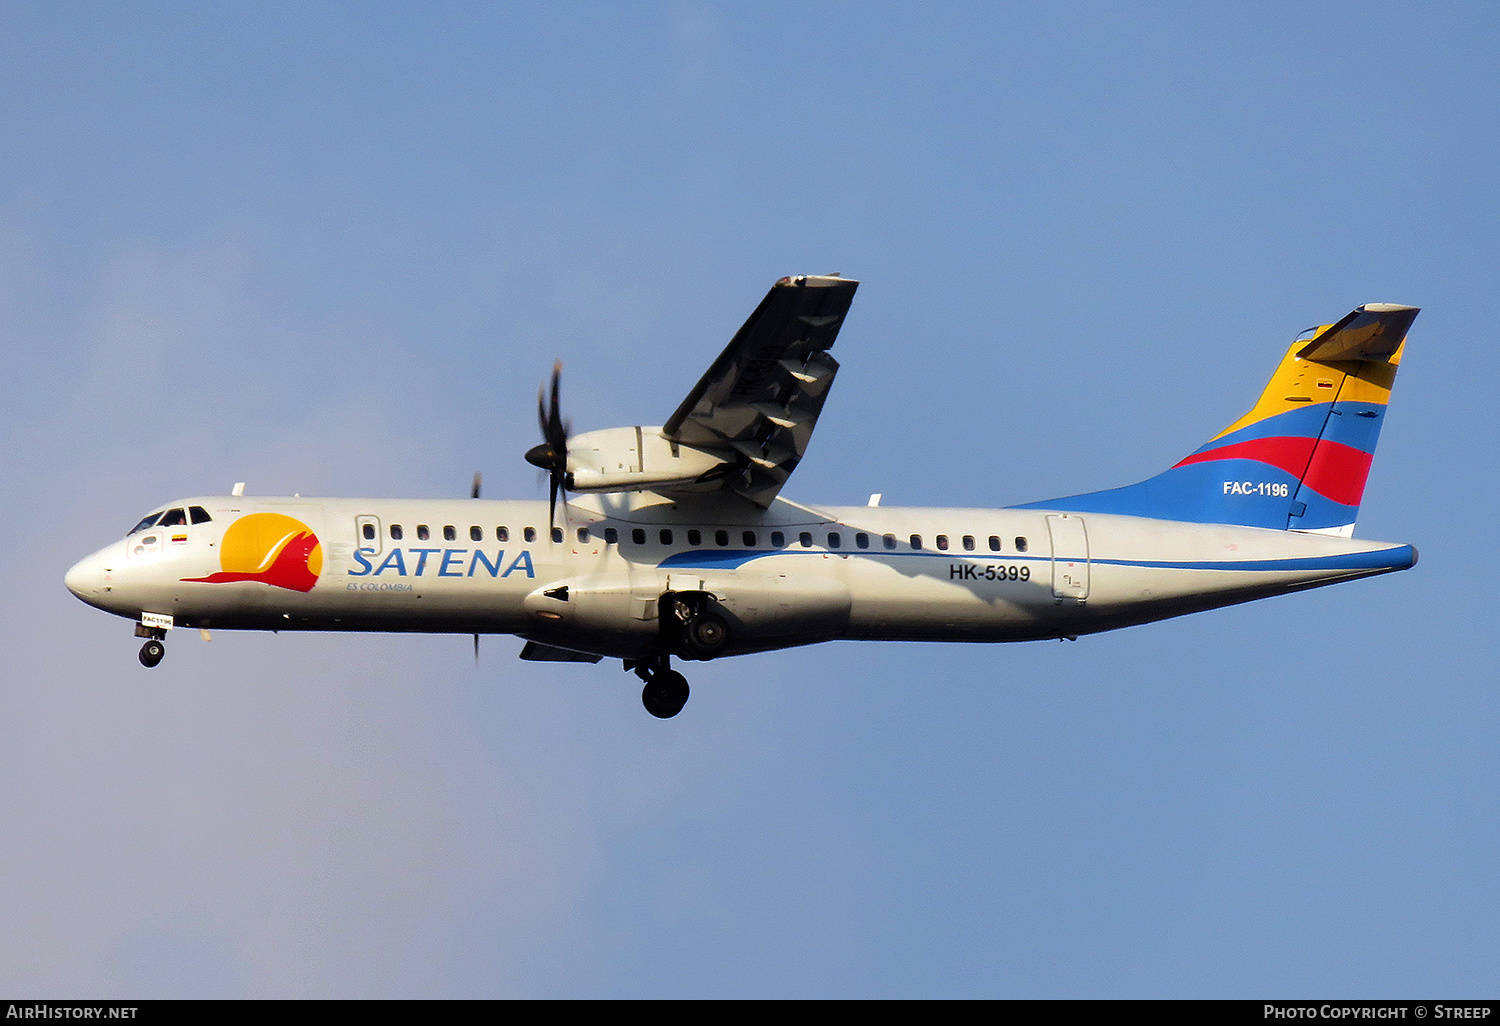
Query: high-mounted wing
[762, 396]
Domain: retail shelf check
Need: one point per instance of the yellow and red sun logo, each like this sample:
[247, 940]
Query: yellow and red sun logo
[271, 548]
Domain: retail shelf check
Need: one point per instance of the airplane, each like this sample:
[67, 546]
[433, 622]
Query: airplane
[674, 540]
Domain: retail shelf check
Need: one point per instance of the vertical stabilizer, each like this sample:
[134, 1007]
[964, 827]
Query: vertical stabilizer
[1299, 459]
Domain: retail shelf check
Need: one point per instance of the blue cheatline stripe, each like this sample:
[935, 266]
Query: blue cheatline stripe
[717, 559]
[1396, 557]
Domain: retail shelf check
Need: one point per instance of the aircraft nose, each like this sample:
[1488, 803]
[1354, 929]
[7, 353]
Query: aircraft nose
[86, 578]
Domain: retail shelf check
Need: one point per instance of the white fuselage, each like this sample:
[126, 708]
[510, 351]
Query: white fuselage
[784, 576]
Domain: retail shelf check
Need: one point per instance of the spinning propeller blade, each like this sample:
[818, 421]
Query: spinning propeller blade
[552, 454]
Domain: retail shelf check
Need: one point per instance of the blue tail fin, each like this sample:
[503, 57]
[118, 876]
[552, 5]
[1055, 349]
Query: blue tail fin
[1298, 460]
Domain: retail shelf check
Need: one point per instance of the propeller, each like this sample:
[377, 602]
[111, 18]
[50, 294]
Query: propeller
[552, 454]
[474, 494]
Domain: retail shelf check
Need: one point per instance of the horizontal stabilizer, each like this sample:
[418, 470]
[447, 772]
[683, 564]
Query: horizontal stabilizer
[1372, 332]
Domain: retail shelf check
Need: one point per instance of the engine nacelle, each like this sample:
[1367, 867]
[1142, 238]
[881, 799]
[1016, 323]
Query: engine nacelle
[632, 459]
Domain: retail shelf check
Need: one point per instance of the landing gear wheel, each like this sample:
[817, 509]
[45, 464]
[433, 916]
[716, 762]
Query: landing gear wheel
[705, 635]
[152, 652]
[665, 694]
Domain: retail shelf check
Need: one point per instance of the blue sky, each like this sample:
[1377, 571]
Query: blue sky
[332, 249]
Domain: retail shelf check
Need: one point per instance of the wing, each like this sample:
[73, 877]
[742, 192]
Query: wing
[762, 396]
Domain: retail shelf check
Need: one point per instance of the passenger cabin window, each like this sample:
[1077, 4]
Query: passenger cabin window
[583, 534]
[994, 543]
[942, 542]
[529, 534]
[806, 539]
[695, 537]
[611, 536]
[638, 535]
[749, 539]
[449, 534]
[1020, 544]
[916, 541]
[666, 537]
[396, 532]
[721, 537]
[834, 541]
[199, 515]
[476, 533]
[968, 543]
[557, 534]
[368, 531]
[862, 540]
[889, 541]
[502, 534]
[778, 540]
[422, 533]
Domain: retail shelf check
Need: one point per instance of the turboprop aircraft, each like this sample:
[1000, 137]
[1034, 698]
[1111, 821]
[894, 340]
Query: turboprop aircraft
[674, 540]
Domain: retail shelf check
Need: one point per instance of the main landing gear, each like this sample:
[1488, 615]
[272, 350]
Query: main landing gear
[666, 690]
[693, 626]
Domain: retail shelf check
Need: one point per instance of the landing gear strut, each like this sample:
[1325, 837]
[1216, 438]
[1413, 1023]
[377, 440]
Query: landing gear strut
[666, 690]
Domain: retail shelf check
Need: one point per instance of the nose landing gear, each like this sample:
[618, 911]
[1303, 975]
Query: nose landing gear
[152, 652]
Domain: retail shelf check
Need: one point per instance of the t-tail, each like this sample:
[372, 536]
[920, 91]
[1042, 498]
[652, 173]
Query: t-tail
[1299, 459]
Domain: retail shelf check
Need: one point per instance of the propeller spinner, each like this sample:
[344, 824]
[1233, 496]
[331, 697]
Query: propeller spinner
[552, 454]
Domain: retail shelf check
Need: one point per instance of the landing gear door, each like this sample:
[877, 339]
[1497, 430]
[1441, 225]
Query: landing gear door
[646, 586]
[1070, 557]
[367, 536]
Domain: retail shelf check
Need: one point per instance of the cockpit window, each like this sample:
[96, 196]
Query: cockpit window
[145, 523]
[173, 518]
[199, 515]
